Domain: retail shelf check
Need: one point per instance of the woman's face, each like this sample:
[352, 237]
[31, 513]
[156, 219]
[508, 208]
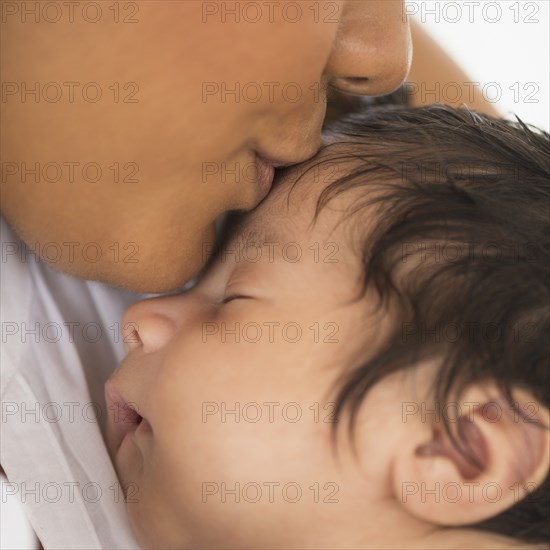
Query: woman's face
[128, 131]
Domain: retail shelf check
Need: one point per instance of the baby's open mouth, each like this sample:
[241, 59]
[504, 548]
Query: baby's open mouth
[129, 414]
[124, 418]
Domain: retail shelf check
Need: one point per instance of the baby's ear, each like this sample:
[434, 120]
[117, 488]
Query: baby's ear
[505, 457]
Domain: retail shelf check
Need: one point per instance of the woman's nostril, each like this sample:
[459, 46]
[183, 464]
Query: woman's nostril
[358, 80]
[356, 85]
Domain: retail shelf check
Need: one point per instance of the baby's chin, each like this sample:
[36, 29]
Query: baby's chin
[152, 528]
[138, 522]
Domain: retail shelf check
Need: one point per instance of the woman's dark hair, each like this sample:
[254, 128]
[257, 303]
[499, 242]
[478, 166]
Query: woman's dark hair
[475, 190]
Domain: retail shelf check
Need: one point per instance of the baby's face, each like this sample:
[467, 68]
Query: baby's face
[235, 381]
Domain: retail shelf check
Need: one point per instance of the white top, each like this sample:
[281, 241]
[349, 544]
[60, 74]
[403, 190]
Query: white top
[60, 341]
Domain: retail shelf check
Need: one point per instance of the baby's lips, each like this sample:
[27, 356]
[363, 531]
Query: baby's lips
[124, 417]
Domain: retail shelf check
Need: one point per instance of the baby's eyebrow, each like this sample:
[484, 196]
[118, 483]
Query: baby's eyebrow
[233, 236]
[256, 236]
[253, 236]
[258, 229]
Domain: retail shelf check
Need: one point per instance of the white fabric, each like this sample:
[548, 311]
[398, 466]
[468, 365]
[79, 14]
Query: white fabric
[52, 448]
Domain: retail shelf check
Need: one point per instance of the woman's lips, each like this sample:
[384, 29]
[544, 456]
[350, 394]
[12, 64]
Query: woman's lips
[124, 418]
[265, 171]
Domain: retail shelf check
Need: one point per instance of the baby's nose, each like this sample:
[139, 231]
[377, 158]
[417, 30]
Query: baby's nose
[148, 325]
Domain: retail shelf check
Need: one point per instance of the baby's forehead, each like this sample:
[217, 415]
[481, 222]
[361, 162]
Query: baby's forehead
[337, 189]
[291, 208]
[297, 190]
[293, 213]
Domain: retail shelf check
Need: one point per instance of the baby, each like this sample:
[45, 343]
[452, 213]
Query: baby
[364, 362]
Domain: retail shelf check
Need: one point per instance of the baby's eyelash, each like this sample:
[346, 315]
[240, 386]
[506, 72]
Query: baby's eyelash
[231, 297]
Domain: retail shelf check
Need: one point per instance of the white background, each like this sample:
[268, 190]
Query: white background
[502, 42]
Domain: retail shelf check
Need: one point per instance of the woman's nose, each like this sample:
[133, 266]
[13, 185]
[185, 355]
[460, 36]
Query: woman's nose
[149, 325]
[372, 50]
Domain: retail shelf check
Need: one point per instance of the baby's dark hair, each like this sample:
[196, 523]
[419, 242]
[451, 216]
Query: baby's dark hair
[474, 190]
